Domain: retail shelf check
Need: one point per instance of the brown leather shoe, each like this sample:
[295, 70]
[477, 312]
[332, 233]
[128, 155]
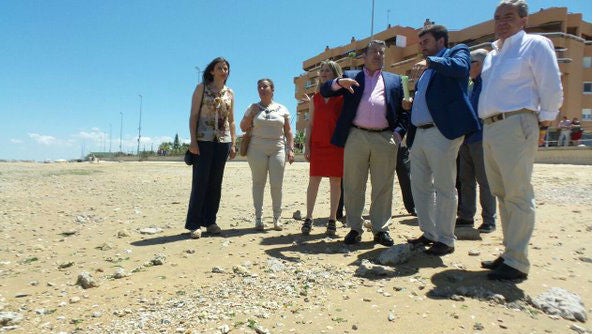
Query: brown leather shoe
[439, 249]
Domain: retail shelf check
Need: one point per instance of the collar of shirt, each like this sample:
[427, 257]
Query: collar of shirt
[515, 38]
[372, 75]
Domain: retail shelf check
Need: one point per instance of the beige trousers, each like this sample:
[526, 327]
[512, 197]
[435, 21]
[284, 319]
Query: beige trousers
[510, 147]
[267, 158]
[369, 153]
[433, 183]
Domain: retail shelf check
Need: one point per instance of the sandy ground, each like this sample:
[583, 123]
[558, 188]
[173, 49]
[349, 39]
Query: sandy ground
[60, 220]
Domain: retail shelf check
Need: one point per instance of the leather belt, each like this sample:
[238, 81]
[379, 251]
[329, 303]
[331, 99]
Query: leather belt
[371, 130]
[504, 115]
[426, 126]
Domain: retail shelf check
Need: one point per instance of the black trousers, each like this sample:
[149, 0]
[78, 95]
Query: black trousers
[403, 173]
[207, 179]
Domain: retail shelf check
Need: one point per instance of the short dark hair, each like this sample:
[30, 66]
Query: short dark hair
[520, 5]
[437, 31]
[207, 76]
[266, 80]
[375, 42]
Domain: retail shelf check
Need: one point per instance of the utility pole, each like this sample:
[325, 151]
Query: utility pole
[121, 129]
[109, 137]
[372, 15]
[139, 127]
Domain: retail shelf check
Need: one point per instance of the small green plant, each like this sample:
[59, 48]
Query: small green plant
[30, 260]
[252, 323]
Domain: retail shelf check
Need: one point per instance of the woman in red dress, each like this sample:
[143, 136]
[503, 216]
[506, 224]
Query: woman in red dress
[325, 159]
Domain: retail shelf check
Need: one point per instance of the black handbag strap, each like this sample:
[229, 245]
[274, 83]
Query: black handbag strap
[200, 106]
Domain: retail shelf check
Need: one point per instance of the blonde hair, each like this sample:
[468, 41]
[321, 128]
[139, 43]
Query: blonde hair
[336, 69]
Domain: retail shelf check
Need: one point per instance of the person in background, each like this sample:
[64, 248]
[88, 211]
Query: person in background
[576, 131]
[403, 173]
[472, 165]
[325, 159]
[270, 148]
[521, 92]
[370, 128]
[212, 141]
[440, 117]
[564, 132]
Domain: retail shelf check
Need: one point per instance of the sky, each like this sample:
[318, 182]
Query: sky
[73, 72]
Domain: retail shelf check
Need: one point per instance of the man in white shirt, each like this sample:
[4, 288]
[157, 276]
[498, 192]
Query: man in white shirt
[565, 132]
[521, 90]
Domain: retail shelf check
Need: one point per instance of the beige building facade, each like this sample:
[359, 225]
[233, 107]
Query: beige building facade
[571, 36]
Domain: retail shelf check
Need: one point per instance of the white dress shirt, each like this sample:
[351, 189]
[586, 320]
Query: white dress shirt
[521, 73]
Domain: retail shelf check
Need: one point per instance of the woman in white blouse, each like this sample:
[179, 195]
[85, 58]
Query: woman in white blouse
[270, 147]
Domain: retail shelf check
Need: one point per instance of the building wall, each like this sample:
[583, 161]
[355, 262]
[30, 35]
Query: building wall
[571, 36]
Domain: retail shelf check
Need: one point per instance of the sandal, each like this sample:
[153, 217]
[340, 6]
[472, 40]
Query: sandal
[306, 228]
[277, 225]
[259, 224]
[331, 228]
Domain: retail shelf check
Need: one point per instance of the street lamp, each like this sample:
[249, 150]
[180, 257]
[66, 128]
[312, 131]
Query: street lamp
[198, 71]
[139, 126]
[121, 129]
[109, 137]
[372, 15]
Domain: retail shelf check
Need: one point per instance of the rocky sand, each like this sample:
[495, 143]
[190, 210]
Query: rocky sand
[101, 248]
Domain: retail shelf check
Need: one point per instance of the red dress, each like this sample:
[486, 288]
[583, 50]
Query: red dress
[325, 158]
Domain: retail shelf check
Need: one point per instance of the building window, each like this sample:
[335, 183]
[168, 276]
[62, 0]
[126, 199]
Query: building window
[588, 87]
[587, 62]
[587, 114]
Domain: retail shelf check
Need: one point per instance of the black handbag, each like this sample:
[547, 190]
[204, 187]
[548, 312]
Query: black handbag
[190, 158]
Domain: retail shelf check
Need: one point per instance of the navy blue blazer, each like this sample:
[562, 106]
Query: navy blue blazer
[447, 95]
[397, 118]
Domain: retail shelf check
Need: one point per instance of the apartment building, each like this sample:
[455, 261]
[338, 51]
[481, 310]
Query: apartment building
[571, 36]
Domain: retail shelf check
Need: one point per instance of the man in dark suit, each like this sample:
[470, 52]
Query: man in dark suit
[441, 115]
[370, 128]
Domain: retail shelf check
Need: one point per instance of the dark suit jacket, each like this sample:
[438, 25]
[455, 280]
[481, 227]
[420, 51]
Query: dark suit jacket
[447, 95]
[397, 118]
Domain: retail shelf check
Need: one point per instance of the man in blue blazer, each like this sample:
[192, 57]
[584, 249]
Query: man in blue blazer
[370, 127]
[441, 115]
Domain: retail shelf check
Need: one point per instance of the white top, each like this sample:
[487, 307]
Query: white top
[269, 122]
[523, 73]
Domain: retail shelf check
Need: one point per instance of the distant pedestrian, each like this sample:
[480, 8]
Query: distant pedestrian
[564, 132]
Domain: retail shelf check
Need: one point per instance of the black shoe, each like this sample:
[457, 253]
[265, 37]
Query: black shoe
[506, 273]
[306, 227]
[492, 264]
[420, 241]
[383, 238]
[352, 238]
[464, 222]
[486, 228]
[439, 249]
[331, 228]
